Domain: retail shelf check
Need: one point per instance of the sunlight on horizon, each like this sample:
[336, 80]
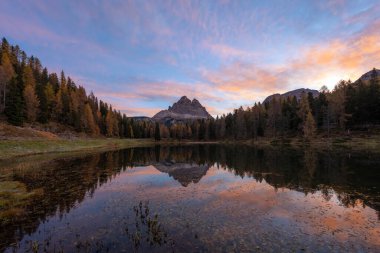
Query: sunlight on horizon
[140, 56]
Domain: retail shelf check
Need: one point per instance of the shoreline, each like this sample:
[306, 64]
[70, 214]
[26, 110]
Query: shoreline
[10, 149]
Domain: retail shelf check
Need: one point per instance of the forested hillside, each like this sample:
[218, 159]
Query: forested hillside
[30, 94]
[348, 107]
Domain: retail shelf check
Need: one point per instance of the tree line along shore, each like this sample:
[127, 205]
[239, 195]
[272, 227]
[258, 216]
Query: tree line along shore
[30, 96]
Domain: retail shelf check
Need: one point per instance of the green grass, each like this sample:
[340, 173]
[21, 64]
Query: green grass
[15, 148]
[368, 143]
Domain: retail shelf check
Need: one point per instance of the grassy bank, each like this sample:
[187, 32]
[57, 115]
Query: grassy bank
[16, 148]
[359, 143]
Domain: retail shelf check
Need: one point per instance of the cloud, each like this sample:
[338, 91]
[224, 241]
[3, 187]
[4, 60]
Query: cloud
[137, 111]
[314, 65]
[349, 57]
[162, 90]
[240, 76]
[245, 82]
[241, 82]
[334, 6]
[151, 92]
[224, 51]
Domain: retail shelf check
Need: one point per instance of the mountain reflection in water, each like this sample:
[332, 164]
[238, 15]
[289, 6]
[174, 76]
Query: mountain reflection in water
[156, 198]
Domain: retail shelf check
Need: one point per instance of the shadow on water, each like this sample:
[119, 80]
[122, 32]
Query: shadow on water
[30, 193]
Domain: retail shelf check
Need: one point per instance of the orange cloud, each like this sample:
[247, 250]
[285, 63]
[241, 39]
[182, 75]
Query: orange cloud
[245, 82]
[348, 57]
[170, 91]
[314, 66]
[240, 76]
[137, 111]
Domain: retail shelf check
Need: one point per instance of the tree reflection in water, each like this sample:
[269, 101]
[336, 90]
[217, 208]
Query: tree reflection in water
[30, 193]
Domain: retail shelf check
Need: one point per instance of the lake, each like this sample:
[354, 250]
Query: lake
[192, 198]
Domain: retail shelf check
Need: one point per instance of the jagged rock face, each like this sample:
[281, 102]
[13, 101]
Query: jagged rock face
[184, 109]
[294, 93]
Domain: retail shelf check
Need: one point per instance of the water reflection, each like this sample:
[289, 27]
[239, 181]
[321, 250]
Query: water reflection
[187, 186]
[185, 173]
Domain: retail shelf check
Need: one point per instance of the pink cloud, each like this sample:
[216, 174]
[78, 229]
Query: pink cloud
[225, 51]
[137, 111]
[170, 91]
[27, 30]
[316, 65]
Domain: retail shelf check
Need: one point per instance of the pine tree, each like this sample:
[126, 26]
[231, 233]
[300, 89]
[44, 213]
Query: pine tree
[109, 124]
[240, 124]
[157, 134]
[6, 74]
[131, 134]
[30, 97]
[222, 128]
[309, 127]
[42, 82]
[50, 99]
[90, 126]
[274, 116]
[14, 109]
[337, 103]
[304, 110]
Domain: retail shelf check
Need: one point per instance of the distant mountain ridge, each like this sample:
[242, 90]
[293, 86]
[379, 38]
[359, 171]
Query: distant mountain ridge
[367, 76]
[183, 109]
[293, 93]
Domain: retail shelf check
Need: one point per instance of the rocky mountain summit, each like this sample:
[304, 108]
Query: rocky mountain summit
[294, 93]
[298, 92]
[183, 109]
[367, 76]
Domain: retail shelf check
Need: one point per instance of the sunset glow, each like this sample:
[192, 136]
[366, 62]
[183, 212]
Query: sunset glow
[142, 56]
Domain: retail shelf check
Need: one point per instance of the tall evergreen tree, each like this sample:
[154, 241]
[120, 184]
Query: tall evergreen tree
[14, 107]
[157, 134]
[309, 127]
[30, 97]
[6, 74]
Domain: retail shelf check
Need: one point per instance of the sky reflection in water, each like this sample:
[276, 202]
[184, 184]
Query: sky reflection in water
[197, 198]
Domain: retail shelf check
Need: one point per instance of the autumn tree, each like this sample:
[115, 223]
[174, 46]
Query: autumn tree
[6, 74]
[90, 126]
[304, 110]
[50, 101]
[30, 97]
[309, 127]
[111, 124]
[337, 101]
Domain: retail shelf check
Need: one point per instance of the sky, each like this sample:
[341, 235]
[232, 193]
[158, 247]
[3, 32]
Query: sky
[141, 56]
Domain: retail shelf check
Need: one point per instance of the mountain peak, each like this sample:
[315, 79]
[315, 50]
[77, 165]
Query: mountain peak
[184, 99]
[367, 76]
[294, 93]
[195, 102]
[184, 109]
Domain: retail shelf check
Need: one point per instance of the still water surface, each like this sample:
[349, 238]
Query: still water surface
[195, 198]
